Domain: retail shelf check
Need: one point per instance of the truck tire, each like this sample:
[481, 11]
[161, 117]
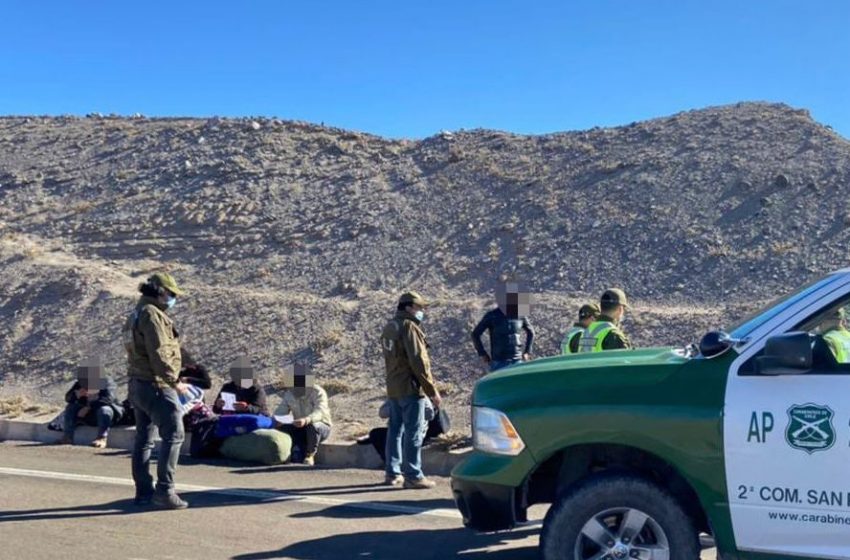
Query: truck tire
[616, 516]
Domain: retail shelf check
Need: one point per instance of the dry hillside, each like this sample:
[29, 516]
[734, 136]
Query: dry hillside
[295, 238]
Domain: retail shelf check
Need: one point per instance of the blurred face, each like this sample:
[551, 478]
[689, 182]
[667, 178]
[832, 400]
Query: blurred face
[90, 375]
[241, 373]
[513, 300]
[298, 378]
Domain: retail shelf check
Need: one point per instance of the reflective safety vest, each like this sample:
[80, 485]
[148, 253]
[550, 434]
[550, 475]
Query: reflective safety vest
[839, 343]
[565, 345]
[594, 334]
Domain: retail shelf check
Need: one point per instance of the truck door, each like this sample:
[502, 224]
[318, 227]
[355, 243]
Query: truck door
[787, 454]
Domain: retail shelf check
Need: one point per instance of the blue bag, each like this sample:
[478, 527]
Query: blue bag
[240, 424]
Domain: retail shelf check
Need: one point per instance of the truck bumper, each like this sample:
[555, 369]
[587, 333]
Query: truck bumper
[486, 507]
[489, 490]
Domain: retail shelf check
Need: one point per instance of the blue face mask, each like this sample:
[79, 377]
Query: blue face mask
[420, 315]
[170, 302]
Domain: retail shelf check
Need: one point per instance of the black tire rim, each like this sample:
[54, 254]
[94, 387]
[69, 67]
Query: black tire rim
[622, 534]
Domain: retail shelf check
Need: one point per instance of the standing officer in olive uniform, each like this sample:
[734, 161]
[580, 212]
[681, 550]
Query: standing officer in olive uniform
[153, 353]
[409, 382]
[605, 333]
[586, 315]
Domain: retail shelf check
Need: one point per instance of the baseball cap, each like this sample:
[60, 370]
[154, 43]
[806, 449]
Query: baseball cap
[589, 310]
[408, 298]
[614, 296]
[165, 280]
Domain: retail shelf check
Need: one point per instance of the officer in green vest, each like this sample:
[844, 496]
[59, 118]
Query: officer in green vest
[837, 337]
[605, 333]
[586, 315]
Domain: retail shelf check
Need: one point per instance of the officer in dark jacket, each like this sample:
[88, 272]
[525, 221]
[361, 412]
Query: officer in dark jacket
[503, 325]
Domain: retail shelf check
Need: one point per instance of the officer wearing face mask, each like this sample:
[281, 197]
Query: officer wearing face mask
[250, 395]
[153, 354]
[409, 383]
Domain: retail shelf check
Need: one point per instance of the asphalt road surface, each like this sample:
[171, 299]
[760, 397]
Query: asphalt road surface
[76, 502]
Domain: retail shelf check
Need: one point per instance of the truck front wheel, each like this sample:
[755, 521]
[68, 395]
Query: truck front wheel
[618, 517]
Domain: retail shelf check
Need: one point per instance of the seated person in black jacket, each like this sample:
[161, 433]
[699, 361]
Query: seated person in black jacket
[250, 396]
[194, 373]
[92, 400]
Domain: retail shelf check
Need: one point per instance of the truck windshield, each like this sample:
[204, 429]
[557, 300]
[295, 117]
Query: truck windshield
[774, 308]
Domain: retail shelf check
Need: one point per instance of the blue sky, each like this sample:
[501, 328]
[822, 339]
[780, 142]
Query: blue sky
[410, 69]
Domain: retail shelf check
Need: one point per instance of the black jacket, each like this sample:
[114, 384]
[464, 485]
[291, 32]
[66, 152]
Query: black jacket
[254, 396]
[106, 396]
[505, 343]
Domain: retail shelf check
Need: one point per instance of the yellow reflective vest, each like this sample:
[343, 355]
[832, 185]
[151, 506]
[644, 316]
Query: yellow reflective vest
[573, 332]
[839, 342]
[594, 334]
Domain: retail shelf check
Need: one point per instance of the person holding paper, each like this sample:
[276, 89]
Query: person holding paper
[242, 394]
[303, 413]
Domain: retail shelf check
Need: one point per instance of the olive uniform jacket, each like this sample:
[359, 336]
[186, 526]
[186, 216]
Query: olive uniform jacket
[153, 344]
[406, 356]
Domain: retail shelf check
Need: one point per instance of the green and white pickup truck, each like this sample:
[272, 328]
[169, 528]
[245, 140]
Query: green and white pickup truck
[745, 437]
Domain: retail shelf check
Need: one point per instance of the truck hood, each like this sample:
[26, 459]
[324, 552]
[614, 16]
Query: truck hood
[579, 373]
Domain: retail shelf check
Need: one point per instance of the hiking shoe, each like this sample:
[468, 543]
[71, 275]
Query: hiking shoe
[419, 484]
[99, 443]
[310, 459]
[169, 501]
[393, 480]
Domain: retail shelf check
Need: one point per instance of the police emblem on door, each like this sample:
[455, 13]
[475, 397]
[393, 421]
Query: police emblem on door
[810, 427]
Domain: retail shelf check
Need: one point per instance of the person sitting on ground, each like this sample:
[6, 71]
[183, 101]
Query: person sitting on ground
[194, 373]
[93, 401]
[250, 397]
[305, 405]
[436, 423]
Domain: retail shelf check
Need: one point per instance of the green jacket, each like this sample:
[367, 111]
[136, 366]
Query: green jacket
[313, 406]
[406, 357]
[153, 344]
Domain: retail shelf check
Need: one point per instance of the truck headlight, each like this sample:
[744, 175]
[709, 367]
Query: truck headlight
[492, 432]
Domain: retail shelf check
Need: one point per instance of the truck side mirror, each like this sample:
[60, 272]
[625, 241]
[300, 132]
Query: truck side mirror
[786, 354]
[714, 344]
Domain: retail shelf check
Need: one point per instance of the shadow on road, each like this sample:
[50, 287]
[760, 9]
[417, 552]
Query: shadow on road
[197, 500]
[420, 544]
[381, 509]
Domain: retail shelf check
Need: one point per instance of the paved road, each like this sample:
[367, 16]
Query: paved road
[61, 501]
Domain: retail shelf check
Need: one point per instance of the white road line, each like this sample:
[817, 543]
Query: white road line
[264, 496]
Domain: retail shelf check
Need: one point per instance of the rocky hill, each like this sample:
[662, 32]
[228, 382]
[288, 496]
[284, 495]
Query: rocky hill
[295, 238]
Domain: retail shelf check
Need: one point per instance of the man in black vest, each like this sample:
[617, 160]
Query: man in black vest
[503, 325]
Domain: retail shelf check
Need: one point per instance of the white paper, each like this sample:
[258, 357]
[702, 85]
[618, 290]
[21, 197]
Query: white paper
[229, 399]
[285, 419]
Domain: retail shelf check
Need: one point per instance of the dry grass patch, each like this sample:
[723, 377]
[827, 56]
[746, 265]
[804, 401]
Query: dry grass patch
[14, 407]
[336, 387]
[452, 440]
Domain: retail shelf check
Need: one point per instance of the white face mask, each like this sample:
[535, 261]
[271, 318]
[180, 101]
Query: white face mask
[420, 315]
